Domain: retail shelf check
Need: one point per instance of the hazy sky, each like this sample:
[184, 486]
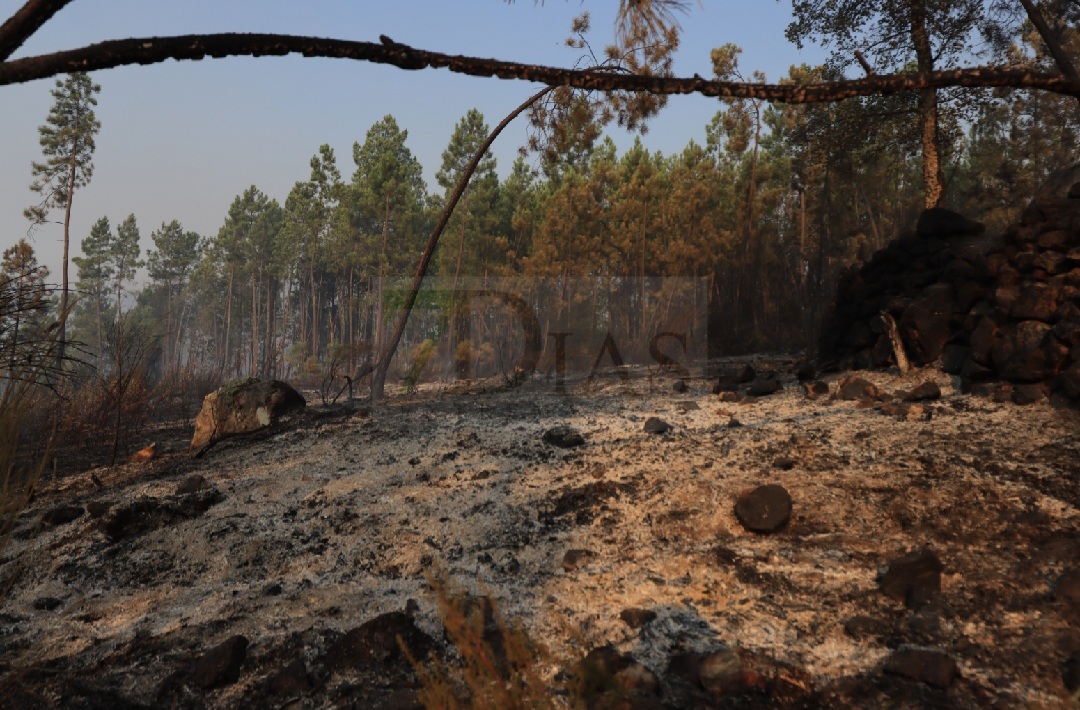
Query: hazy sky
[180, 140]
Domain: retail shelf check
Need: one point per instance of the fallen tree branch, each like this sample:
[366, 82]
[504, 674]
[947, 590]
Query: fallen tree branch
[150, 50]
[25, 22]
[382, 365]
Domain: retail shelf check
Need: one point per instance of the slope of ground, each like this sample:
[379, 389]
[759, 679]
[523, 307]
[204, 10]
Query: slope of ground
[312, 542]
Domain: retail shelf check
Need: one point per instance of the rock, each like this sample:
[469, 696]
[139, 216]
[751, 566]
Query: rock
[925, 665]
[726, 383]
[926, 391]
[192, 484]
[604, 665]
[865, 627]
[926, 323]
[242, 406]
[47, 603]
[375, 644]
[765, 509]
[852, 387]
[680, 386]
[1036, 301]
[63, 514]
[97, 508]
[220, 666]
[1020, 354]
[1028, 393]
[942, 223]
[656, 425]
[903, 411]
[1067, 588]
[1070, 380]
[688, 405]
[745, 374]
[784, 463]
[563, 437]
[293, 679]
[636, 618]
[815, 389]
[721, 673]
[576, 559]
[913, 579]
[729, 397]
[145, 514]
[804, 371]
[148, 453]
[764, 386]
[1070, 676]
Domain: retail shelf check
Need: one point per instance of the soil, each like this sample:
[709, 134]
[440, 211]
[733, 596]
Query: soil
[930, 558]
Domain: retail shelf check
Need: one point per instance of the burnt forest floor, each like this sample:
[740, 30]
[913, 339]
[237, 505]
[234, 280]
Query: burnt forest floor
[278, 569]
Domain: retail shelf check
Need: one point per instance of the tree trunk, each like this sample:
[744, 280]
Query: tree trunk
[382, 364]
[933, 175]
[61, 345]
[228, 325]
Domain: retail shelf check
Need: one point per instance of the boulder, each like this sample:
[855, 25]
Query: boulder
[242, 406]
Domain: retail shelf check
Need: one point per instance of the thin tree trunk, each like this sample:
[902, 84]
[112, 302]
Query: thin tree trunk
[933, 176]
[228, 324]
[382, 365]
[65, 281]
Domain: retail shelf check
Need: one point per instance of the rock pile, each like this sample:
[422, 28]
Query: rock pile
[1001, 311]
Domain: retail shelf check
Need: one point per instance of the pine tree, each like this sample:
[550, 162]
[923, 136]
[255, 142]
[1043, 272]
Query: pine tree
[388, 188]
[24, 301]
[67, 143]
[95, 273]
[170, 264]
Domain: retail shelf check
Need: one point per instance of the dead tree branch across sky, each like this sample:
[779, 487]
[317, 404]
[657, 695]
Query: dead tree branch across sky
[150, 50]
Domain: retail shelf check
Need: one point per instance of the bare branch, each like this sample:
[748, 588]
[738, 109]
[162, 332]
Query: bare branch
[25, 22]
[114, 53]
[1056, 51]
[865, 64]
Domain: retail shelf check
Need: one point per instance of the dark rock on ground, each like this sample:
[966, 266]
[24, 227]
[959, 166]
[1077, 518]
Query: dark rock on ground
[925, 665]
[636, 618]
[815, 389]
[680, 386]
[47, 603]
[852, 387]
[191, 484]
[764, 386]
[564, 437]
[63, 514]
[765, 509]
[374, 644]
[1067, 589]
[913, 579]
[656, 425]
[784, 463]
[928, 390]
[721, 673]
[148, 514]
[97, 508]
[293, 679]
[576, 559]
[220, 666]
[943, 223]
[606, 672]
[745, 374]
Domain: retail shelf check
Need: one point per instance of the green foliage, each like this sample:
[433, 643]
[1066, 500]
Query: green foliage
[67, 142]
[418, 357]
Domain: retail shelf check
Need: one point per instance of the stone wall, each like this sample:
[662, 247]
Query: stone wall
[1000, 311]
